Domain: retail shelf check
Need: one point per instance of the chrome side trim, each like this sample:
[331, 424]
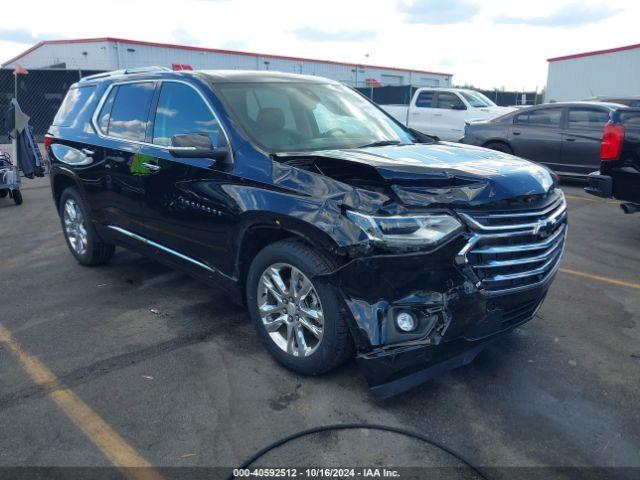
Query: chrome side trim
[182, 256]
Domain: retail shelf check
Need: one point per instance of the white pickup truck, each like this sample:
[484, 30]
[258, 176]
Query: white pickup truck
[443, 112]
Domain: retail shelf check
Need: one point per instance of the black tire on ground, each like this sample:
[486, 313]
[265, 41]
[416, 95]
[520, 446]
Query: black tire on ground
[97, 252]
[500, 147]
[17, 197]
[4, 192]
[336, 346]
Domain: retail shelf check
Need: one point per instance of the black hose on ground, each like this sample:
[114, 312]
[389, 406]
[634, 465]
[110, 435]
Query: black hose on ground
[365, 426]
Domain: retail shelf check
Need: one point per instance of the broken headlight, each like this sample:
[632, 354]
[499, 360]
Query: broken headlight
[406, 231]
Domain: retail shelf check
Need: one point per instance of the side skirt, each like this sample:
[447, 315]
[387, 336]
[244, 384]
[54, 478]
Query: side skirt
[175, 259]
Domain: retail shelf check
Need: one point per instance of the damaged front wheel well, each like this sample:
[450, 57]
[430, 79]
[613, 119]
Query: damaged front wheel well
[257, 238]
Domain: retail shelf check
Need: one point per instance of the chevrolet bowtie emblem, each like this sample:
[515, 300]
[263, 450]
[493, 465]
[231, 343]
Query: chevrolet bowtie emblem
[543, 225]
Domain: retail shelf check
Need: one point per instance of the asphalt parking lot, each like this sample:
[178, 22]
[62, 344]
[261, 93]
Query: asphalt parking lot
[135, 363]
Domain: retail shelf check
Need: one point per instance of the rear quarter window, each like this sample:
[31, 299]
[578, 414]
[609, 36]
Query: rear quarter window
[75, 104]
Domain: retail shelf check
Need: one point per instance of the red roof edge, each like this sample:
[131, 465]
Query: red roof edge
[595, 52]
[212, 50]
[17, 57]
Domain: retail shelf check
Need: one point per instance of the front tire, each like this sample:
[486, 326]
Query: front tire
[80, 234]
[296, 315]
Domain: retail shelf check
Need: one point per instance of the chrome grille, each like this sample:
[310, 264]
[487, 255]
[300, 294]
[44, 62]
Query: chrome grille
[515, 251]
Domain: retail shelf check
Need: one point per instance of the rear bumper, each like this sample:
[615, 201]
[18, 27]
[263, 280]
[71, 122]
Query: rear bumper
[599, 185]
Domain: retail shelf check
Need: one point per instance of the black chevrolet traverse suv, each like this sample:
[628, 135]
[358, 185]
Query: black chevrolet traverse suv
[343, 232]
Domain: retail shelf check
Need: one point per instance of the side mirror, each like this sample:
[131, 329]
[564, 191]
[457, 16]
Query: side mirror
[196, 145]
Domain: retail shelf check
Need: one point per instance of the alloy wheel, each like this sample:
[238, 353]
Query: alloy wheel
[74, 226]
[290, 309]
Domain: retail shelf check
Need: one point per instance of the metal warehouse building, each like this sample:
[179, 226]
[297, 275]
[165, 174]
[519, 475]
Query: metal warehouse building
[117, 53]
[613, 72]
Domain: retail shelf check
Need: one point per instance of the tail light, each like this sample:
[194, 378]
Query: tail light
[48, 140]
[612, 139]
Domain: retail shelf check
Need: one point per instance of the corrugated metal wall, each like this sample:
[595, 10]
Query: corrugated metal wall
[116, 55]
[616, 73]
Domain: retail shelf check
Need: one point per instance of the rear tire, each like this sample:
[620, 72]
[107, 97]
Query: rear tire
[79, 232]
[17, 197]
[324, 344]
[4, 192]
[499, 147]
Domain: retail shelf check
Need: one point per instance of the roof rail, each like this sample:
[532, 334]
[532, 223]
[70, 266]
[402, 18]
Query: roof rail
[126, 71]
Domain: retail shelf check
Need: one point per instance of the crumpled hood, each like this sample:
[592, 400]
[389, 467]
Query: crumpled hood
[424, 174]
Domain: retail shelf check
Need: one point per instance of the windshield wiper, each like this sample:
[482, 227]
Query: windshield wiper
[381, 143]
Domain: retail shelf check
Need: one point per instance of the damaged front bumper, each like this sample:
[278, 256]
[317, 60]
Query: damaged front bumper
[456, 317]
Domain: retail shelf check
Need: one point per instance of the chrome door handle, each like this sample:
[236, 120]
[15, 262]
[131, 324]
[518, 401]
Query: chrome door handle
[437, 114]
[570, 139]
[151, 166]
[516, 133]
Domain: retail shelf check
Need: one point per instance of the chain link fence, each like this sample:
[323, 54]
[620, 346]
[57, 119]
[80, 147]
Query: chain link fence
[39, 93]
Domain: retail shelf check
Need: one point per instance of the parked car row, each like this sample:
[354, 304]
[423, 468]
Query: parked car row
[566, 137]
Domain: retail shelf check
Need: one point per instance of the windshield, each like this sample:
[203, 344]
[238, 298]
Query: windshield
[476, 99]
[285, 117]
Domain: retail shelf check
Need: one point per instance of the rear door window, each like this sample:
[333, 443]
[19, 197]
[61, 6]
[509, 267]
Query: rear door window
[587, 118]
[130, 111]
[73, 104]
[545, 117]
[425, 99]
[182, 110]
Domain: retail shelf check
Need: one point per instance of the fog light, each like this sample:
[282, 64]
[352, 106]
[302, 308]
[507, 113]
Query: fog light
[406, 322]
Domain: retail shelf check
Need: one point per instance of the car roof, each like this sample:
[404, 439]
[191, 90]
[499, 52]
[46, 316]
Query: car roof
[213, 76]
[583, 103]
[257, 76]
[447, 89]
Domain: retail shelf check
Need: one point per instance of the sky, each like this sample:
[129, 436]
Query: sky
[488, 43]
